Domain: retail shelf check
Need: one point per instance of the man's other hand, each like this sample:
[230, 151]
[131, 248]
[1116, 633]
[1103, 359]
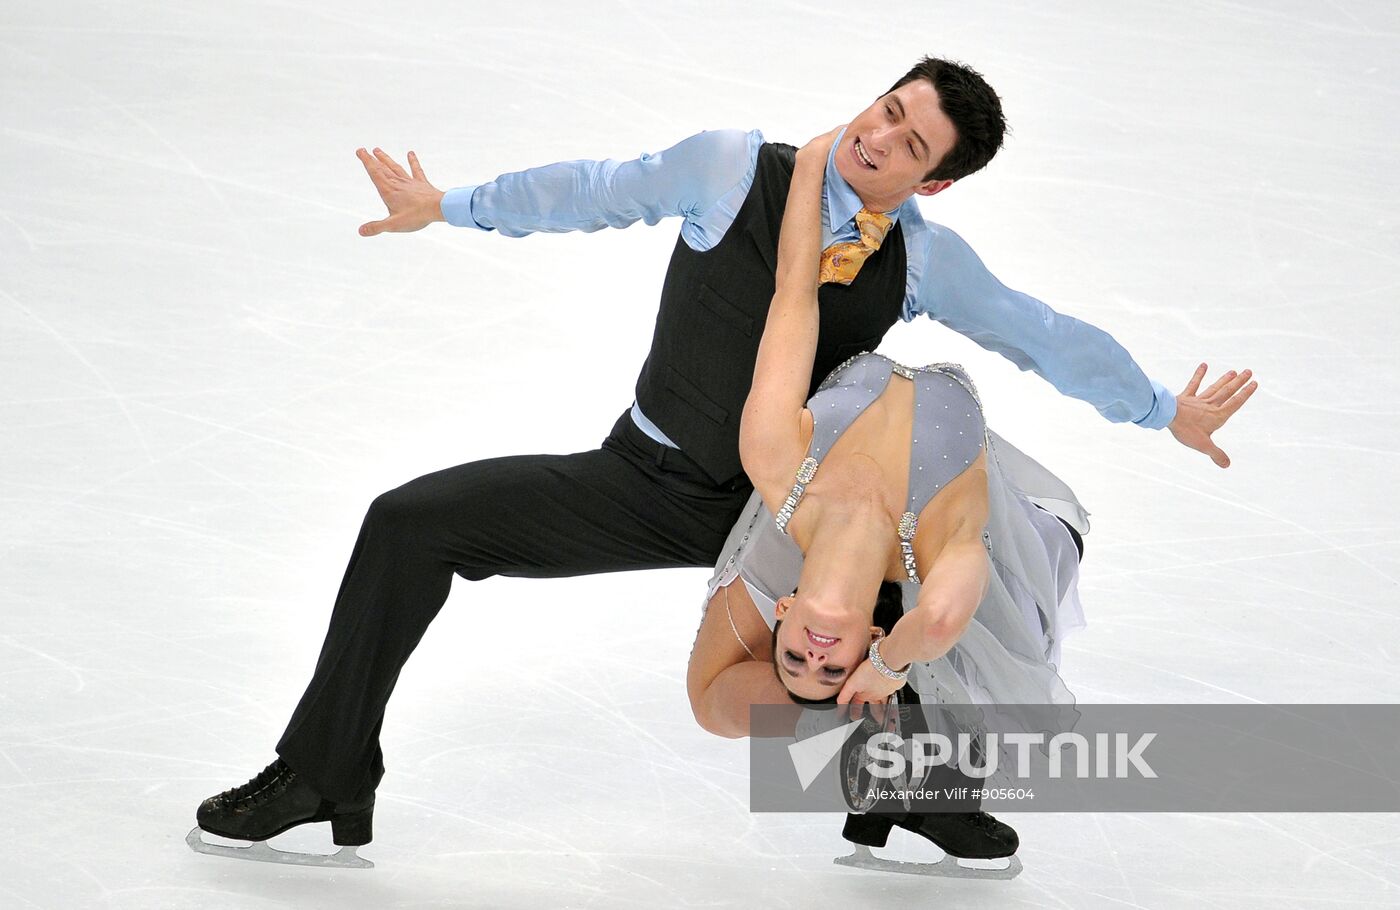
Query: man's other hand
[1198, 415]
[412, 201]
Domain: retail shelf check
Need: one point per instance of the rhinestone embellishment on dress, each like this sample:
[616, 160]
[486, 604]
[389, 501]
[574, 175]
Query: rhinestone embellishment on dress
[805, 472]
[908, 526]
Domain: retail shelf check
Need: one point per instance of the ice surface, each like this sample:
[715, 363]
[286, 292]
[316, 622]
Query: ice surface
[206, 375]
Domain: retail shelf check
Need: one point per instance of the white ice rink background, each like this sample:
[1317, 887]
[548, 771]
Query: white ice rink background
[206, 375]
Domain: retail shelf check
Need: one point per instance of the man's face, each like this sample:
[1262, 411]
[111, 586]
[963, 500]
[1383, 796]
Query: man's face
[889, 147]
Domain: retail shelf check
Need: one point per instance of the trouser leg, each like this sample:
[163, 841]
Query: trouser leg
[628, 505]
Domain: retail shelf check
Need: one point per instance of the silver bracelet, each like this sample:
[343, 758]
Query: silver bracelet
[878, 663]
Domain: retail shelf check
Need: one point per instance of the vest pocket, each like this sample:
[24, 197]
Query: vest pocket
[690, 393]
[845, 352]
[712, 301]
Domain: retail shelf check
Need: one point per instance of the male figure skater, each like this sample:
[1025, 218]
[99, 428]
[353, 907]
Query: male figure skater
[666, 485]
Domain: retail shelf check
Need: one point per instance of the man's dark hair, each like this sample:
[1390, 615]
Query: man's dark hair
[889, 607]
[972, 105]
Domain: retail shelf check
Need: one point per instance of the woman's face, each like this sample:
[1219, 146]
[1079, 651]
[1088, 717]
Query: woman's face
[818, 648]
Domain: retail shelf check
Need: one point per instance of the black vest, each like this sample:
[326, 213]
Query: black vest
[713, 308]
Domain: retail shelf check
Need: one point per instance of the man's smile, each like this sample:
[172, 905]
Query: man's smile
[862, 158]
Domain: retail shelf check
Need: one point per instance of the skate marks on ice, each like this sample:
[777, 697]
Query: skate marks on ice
[262, 852]
[947, 867]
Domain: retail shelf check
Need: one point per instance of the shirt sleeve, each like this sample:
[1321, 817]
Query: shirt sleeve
[1078, 359]
[683, 180]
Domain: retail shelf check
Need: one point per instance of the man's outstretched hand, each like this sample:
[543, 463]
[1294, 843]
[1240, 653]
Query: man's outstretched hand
[413, 202]
[1200, 415]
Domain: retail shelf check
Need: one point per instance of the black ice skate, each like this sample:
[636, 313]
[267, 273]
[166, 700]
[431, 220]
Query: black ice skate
[276, 801]
[975, 845]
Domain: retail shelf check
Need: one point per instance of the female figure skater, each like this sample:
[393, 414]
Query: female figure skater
[886, 477]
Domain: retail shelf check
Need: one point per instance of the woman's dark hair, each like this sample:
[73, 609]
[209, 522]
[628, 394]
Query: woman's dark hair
[889, 607]
[973, 106]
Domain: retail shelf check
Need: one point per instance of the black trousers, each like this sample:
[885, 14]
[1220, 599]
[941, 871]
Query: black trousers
[631, 504]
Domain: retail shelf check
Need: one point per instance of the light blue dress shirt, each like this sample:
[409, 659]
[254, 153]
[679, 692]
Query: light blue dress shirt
[704, 179]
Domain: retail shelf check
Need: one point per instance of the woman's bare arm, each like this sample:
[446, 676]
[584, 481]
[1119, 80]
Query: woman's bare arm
[956, 571]
[949, 548]
[726, 701]
[949, 598]
[770, 432]
[722, 679]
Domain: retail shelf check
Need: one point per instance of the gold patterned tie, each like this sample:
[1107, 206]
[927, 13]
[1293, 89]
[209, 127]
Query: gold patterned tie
[841, 261]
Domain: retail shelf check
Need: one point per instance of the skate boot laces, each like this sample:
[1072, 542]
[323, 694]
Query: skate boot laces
[983, 820]
[260, 787]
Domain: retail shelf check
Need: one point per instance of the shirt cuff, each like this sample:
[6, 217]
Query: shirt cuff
[457, 208]
[1163, 410]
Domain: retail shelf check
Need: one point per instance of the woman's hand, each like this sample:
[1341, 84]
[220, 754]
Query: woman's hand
[818, 148]
[868, 686]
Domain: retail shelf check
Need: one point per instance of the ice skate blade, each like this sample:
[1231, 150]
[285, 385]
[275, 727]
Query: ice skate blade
[260, 852]
[947, 867]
